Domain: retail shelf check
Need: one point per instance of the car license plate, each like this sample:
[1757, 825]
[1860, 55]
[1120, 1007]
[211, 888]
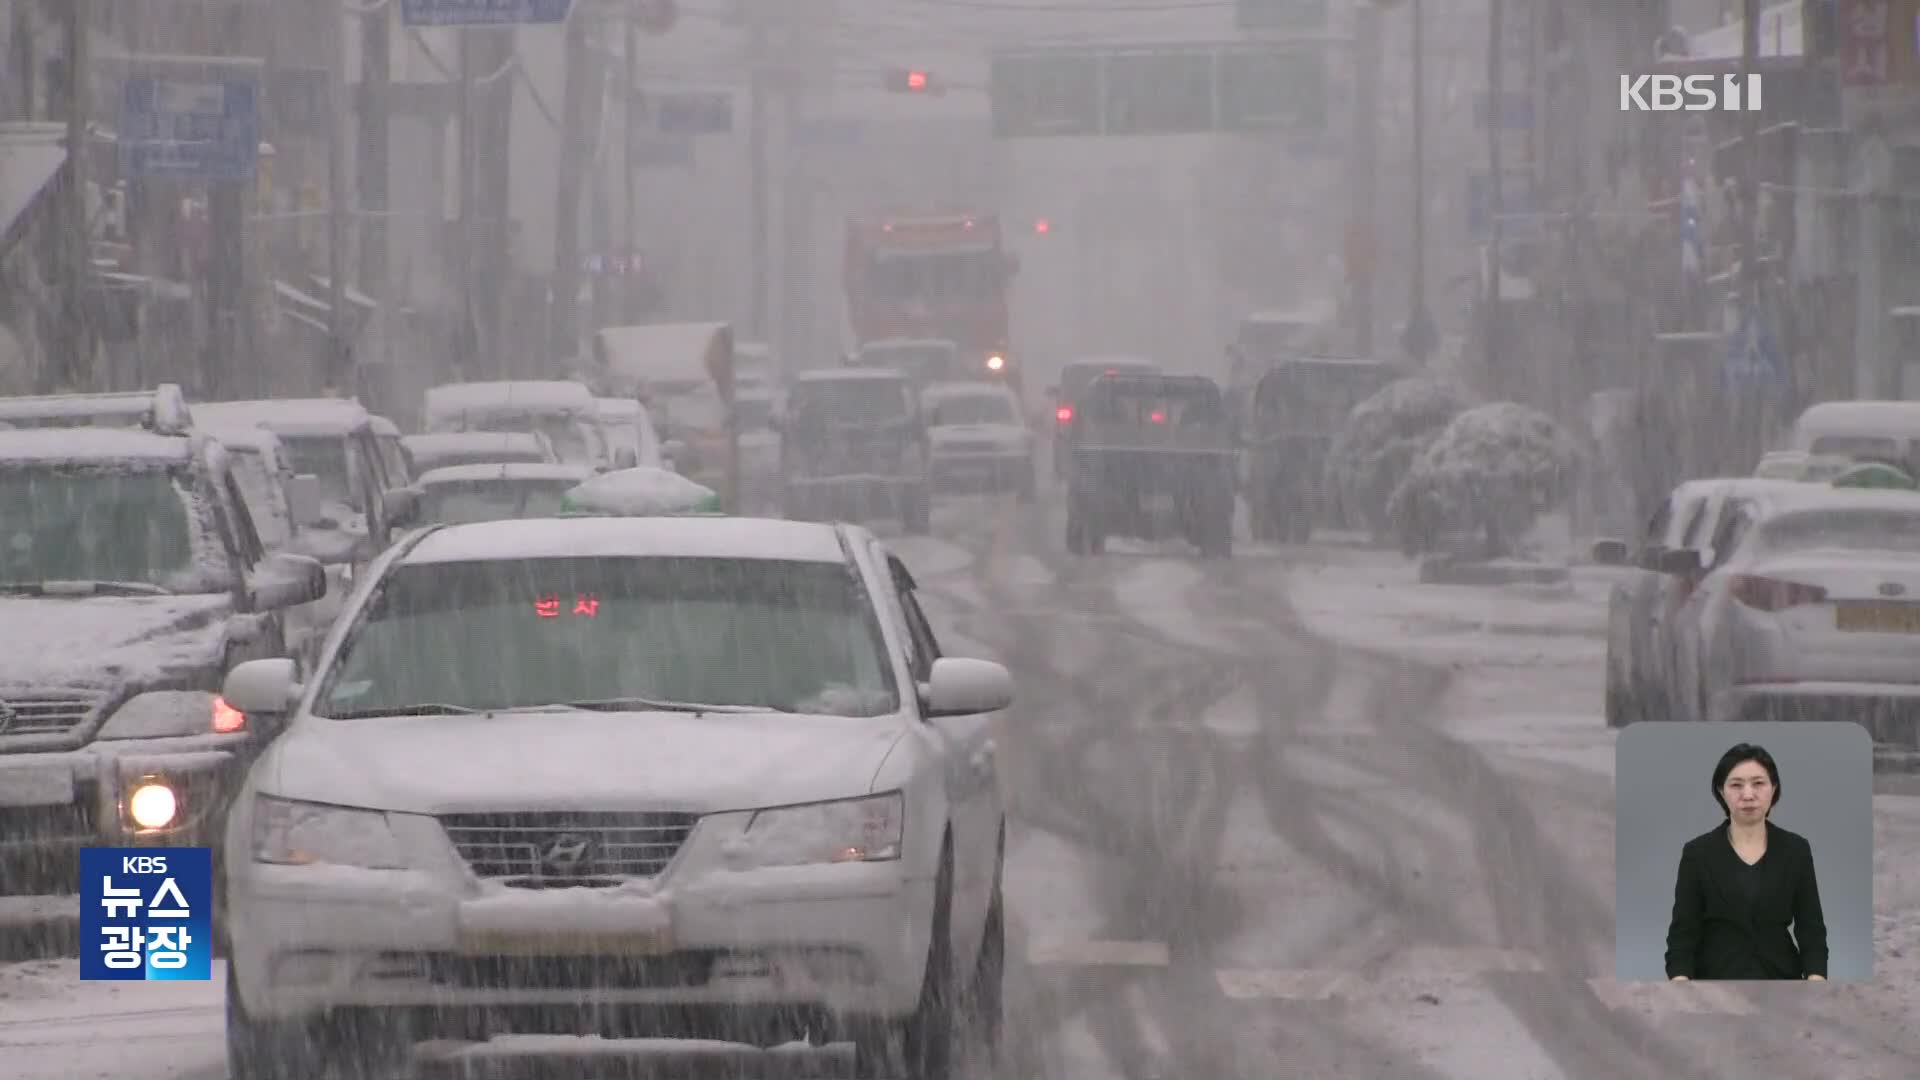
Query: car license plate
[35, 784]
[566, 943]
[1873, 618]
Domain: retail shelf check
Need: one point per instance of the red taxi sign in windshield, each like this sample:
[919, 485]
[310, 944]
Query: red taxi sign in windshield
[585, 605]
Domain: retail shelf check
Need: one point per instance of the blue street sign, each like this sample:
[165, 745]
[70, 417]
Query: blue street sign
[201, 127]
[483, 12]
[693, 114]
[1753, 356]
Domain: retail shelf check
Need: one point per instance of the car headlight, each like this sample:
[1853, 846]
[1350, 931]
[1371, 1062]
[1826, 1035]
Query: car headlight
[849, 830]
[296, 833]
[166, 714]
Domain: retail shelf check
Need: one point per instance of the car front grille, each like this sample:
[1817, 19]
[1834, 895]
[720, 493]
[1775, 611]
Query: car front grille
[540, 849]
[46, 714]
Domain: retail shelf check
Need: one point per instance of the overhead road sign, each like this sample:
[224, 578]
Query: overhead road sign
[483, 12]
[1278, 87]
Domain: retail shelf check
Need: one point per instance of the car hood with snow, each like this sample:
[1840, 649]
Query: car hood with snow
[105, 641]
[563, 759]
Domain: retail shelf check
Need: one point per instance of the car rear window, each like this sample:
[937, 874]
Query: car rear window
[1152, 401]
[1865, 530]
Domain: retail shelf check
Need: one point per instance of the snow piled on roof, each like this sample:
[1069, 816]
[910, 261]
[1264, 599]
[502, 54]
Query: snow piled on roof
[457, 442]
[514, 395]
[285, 414]
[512, 470]
[637, 537]
[92, 445]
[108, 640]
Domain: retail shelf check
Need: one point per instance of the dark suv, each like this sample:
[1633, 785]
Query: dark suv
[853, 442]
[131, 578]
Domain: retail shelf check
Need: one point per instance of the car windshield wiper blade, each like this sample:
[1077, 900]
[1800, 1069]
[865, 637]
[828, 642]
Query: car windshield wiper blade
[82, 588]
[637, 704]
[424, 709]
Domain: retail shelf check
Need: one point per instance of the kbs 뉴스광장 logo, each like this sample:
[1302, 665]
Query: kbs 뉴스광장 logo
[146, 914]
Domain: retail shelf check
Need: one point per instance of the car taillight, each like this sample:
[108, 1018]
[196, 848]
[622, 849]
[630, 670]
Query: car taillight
[1772, 594]
[1064, 414]
[1158, 417]
[226, 718]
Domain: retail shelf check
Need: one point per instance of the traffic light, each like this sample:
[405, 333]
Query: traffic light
[910, 81]
[1042, 226]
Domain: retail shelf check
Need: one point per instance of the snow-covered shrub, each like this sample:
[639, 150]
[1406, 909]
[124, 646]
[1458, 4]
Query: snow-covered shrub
[1491, 472]
[1381, 439]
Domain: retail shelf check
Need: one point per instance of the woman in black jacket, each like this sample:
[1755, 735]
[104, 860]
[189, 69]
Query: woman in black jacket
[1742, 885]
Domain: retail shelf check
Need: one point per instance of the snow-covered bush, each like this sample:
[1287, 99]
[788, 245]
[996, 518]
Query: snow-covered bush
[1381, 440]
[1490, 473]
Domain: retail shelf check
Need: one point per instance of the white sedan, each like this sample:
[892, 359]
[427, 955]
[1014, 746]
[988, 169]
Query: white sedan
[1814, 611]
[703, 777]
[978, 437]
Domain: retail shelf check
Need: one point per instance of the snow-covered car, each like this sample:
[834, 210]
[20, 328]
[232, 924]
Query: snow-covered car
[459, 494]
[853, 441]
[336, 440]
[685, 776]
[629, 430]
[978, 438]
[1640, 609]
[131, 578]
[1809, 608]
[443, 449]
[560, 409]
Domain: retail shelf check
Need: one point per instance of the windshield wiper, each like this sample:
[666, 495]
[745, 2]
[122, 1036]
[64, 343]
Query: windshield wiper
[431, 709]
[636, 704]
[82, 588]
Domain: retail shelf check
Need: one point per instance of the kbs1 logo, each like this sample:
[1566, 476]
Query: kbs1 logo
[1691, 93]
[146, 914]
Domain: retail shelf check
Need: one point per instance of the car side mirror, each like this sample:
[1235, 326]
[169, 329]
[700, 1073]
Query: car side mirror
[286, 580]
[1683, 561]
[400, 506]
[965, 687]
[263, 688]
[303, 501]
[1610, 552]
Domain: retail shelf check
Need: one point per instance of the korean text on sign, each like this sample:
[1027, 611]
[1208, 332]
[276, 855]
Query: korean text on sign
[146, 914]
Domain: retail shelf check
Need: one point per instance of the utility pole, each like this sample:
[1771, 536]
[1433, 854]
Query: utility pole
[1362, 186]
[1420, 338]
[629, 88]
[1749, 159]
[72, 353]
[467, 363]
[493, 294]
[339, 373]
[757, 149]
[1493, 325]
[582, 80]
[376, 73]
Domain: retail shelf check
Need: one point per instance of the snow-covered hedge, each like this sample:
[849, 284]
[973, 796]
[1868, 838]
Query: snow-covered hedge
[1490, 473]
[1382, 438]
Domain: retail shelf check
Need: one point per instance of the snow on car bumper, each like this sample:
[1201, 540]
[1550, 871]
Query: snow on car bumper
[849, 939]
[1889, 711]
[58, 802]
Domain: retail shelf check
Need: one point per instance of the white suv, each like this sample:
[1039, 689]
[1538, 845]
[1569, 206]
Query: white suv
[704, 777]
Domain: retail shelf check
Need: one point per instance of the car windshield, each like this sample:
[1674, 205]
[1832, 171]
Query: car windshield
[1857, 530]
[257, 486]
[60, 523]
[323, 456]
[764, 633]
[572, 442]
[1077, 377]
[918, 361]
[851, 400]
[493, 500]
[1154, 402]
[972, 409]
[936, 278]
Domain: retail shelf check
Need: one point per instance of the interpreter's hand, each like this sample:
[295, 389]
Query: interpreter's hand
[1681, 978]
[1816, 978]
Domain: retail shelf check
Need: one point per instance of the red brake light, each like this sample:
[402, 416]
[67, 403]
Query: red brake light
[1158, 417]
[1772, 594]
[226, 718]
[1064, 414]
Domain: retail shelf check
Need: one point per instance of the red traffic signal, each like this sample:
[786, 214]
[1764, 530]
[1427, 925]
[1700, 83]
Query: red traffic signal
[1042, 226]
[909, 81]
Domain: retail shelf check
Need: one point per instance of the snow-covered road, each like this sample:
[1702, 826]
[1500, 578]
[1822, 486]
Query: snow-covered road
[1287, 816]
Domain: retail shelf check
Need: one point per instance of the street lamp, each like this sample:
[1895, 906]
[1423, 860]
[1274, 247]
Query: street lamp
[1420, 337]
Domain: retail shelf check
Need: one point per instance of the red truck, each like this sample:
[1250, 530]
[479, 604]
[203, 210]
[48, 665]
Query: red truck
[938, 275]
